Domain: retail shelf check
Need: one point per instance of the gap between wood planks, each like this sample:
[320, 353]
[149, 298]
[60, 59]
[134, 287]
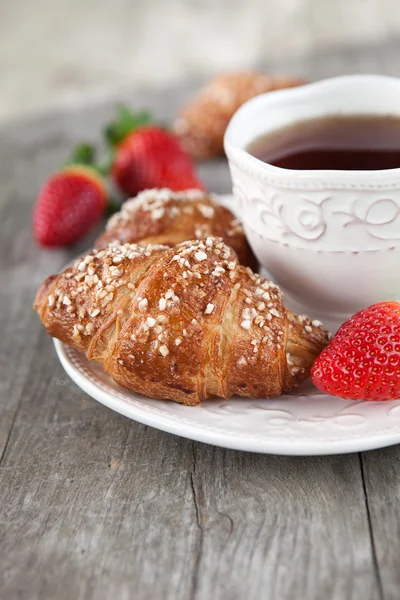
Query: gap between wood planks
[200, 540]
[371, 532]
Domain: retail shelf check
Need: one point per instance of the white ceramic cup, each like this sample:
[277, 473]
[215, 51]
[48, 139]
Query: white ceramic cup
[331, 239]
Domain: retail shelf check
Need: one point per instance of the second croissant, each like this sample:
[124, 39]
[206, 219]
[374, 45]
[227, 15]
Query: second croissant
[162, 216]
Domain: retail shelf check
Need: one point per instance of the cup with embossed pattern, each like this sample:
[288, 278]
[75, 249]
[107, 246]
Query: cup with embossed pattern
[331, 239]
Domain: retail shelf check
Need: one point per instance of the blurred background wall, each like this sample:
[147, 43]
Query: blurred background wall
[56, 53]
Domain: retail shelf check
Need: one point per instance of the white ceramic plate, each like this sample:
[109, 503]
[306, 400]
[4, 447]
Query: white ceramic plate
[305, 422]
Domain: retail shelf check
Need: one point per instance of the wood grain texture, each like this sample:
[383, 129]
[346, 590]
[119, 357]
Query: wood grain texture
[273, 527]
[94, 506]
[381, 475]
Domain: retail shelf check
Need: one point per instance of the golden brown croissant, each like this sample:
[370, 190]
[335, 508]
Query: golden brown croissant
[184, 323]
[161, 216]
[202, 123]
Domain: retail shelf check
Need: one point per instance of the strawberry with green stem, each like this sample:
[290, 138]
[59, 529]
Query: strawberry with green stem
[145, 155]
[71, 201]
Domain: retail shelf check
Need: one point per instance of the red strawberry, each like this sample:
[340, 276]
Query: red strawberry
[148, 156]
[69, 203]
[362, 362]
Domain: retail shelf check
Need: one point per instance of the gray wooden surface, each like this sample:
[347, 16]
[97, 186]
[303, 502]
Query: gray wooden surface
[94, 506]
[114, 45]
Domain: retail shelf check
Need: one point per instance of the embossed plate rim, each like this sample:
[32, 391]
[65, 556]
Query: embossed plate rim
[167, 416]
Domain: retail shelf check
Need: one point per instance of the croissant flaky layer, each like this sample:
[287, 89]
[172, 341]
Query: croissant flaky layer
[162, 216]
[183, 323]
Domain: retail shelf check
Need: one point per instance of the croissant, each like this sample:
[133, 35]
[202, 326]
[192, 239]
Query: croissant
[161, 216]
[184, 323]
[201, 124]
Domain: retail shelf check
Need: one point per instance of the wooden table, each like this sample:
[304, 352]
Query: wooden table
[94, 506]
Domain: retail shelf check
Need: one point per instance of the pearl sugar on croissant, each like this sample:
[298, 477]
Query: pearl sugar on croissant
[184, 323]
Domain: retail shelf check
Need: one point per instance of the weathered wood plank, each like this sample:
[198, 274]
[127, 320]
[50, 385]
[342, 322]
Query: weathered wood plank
[275, 527]
[23, 266]
[92, 505]
[382, 485]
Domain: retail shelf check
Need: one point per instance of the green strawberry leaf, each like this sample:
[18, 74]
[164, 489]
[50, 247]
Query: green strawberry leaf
[83, 154]
[126, 122]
